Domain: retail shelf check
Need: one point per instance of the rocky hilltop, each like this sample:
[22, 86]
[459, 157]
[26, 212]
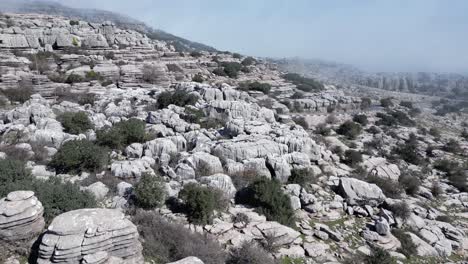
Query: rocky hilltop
[116, 148]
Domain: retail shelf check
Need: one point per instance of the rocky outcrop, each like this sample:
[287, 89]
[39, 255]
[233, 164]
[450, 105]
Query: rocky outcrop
[357, 191]
[20, 216]
[90, 236]
[188, 260]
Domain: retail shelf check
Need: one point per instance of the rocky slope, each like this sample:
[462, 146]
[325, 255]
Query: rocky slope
[222, 121]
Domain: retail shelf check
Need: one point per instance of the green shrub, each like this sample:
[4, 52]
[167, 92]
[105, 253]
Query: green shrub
[236, 56]
[201, 203]
[165, 241]
[452, 146]
[361, 119]
[198, 78]
[149, 192]
[386, 102]
[255, 86]
[401, 210]
[56, 196]
[74, 22]
[75, 122]
[40, 61]
[122, 134]
[379, 256]
[434, 132]
[13, 176]
[179, 98]
[394, 118]
[196, 54]
[409, 151]
[366, 103]
[389, 187]
[220, 72]
[20, 94]
[323, 129]
[76, 156]
[74, 78]
[302, 177]
[249, 253]
[410, 183]
[352, 157]
[59, 197]
[303, 83]
[268, 197]
[248, 61]
[231, 69]
[93, 76]
[408, 248]
[406, 104]
[349, 129]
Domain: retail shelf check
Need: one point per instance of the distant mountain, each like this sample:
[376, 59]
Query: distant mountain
[441, 84]
[99, 16]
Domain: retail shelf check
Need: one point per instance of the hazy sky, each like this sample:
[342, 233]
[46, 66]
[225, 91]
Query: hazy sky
[385, 35]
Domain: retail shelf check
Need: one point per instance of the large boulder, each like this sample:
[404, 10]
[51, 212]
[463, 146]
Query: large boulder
[188, 260]
[221, 182]
[20, 216]
[381, 168]
[90, 236]
[132, 169]
[357, 191]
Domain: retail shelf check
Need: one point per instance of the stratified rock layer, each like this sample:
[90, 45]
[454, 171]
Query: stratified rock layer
[20, 216]
[90, 236]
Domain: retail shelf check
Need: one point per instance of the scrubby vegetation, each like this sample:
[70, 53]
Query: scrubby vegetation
[122, 134]
[178, 97]
[20, 94]
[302, 177]
[386, 102]
[76, 156]
[266, 195]
[201, 203]
[165, 241]
[255, 86]
[149, 192]
[249, 253]
[349, 129]
[361, 119]
[303, 83]
[75, 122]
[55, 195]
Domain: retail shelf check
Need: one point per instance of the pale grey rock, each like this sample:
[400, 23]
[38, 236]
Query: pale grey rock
[380, 167]
[204, 164]
[98, 189]
[221, 182]
[381, 226]
[134, 150]
[20, 216]
[360, 191]
[188, 260]
[316, 249]
[128, 169]
[124, 189]
[73, 235]
[161, 149]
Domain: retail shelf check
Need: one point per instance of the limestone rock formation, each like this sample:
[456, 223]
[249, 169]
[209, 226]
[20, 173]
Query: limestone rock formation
[90, 236]
[20, 216]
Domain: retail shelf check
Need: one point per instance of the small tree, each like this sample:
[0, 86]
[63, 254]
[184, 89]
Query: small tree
[366, 103]
[122, 134]
[75, 123]
[248, 61]
[350, 129]
[198, 78]
[353, 157]
[76, 156]
[149, 192]
[386, 102]
[361, 119]
[302, 176]
[453, 146]
[201, 203]
[178, 97]
[270, 200]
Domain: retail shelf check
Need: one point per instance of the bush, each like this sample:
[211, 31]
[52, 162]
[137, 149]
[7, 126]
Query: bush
[75, 123]
[59, 197]
[408, 248]
[374, 130]
[349, 129]
[122, 134]
[401, 210]
[434, 132]
[220, 72]
[20, 94]
[323, 129]
[165, 241]
[353, 157]
[201, 203]
[409, 183]
[386, 102]
[302, 177]
[366, 103]
[179, 98]
[303, 83]
[149, 192]
[13, 176]
[394, 118]
[152, 74]
[74, 78]
[76, 156]
[56, 196]
[361, 119]
[379, 256]
[249, 253]
[406, 104]
[255, 86]
[268, 197]
[198, 78]
[40, 61]
[389, 187]
[248, 61]
[232, 69]
[196, 54]
[409, 151]
[74, 23]
[452, 146]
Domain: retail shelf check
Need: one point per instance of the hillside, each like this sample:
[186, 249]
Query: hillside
[116, 148]
[99, 16]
